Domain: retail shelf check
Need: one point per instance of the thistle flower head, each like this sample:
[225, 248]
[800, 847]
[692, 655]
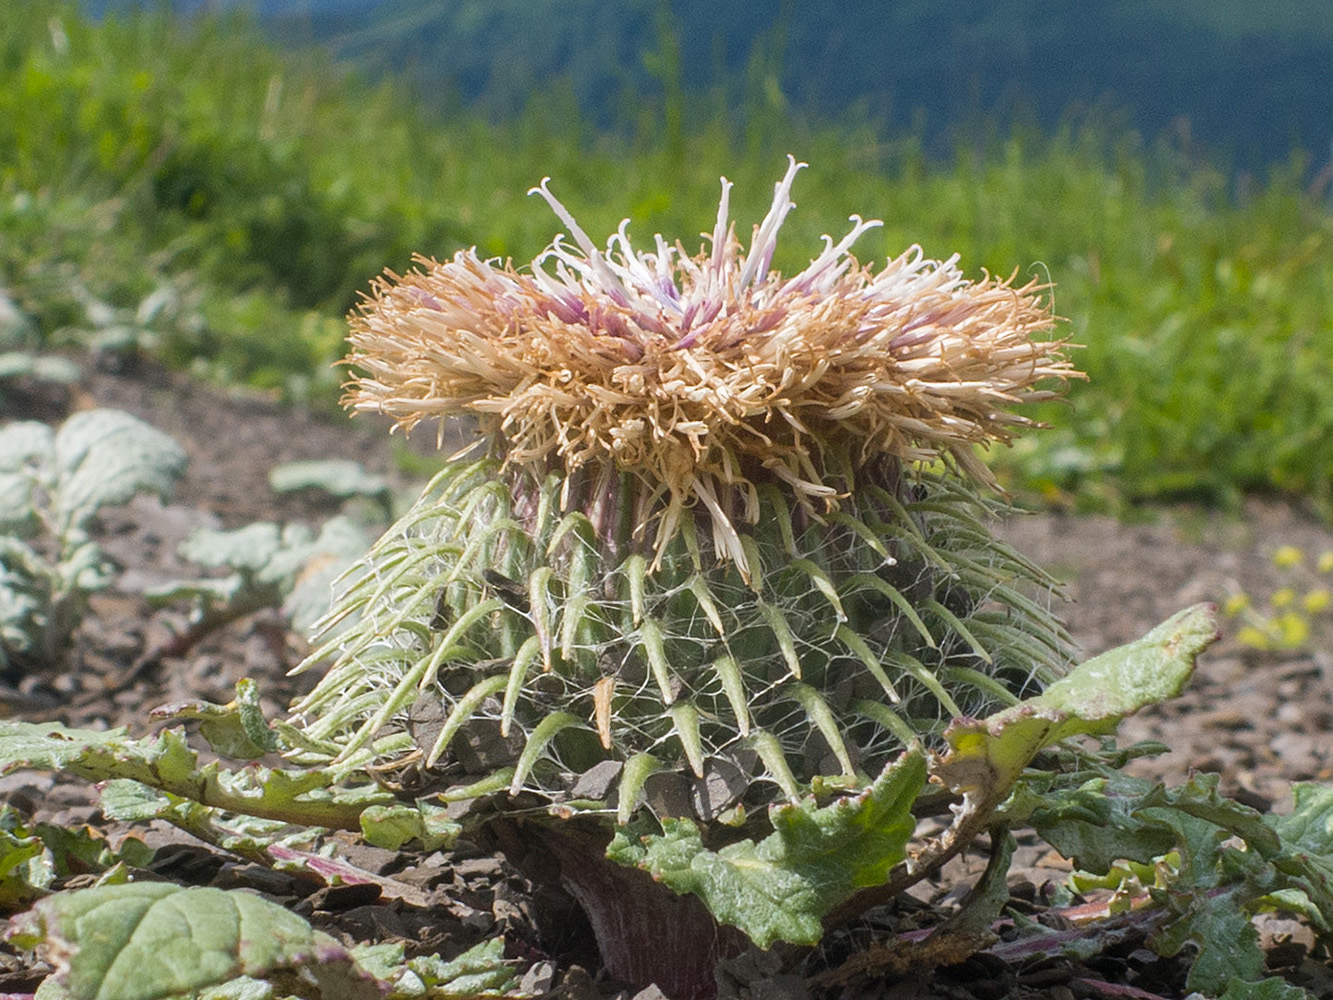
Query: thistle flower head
[706, 375]
[560, 599]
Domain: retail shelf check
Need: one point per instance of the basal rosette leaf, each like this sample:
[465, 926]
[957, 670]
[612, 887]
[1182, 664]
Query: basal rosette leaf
[1272, 988]
[269, 565]
[41, 367]
[1229, 861]
[392, 826]
[1306, 834]
[106, 457]
[341, 478]
[988, 755]
[247, 549]
[236, 730]
[1095, 824]
[25, 586]
[1221, 886]
[144, 941]
[168, 763]
[1228, 945]
[245, 836]
[1309, 825]
[50, 746]
[51, 487]
[23, 444]
[1209, 900]
[26, 870]
[306, 574]
[780, 888]
[481, 971]
[1123, 680]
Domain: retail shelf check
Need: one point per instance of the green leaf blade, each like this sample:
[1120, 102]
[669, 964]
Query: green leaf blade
[988, 755]
[1123, 680]
[146, 941]
[105, 457]
[780, 888]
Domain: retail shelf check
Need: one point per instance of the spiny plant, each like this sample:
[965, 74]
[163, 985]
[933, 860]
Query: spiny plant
[727, 529]
[719, 514]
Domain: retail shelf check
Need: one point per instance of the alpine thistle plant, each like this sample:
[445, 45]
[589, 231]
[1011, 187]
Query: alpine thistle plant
[720, 524]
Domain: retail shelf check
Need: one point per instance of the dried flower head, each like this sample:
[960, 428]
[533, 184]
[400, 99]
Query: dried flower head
[704, 375]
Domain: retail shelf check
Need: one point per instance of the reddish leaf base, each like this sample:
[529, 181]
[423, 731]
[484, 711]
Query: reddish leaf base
[646, 933]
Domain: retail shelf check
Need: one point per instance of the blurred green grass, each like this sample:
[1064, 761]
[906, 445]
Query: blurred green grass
[232, 200]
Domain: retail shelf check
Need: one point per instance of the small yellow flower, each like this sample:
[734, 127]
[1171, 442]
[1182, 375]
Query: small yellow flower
[1317, 600]
[1325, 563]
[1287, 556]
[1235, 604]
[1253, 637]
[1293, 630]
[1282, 598]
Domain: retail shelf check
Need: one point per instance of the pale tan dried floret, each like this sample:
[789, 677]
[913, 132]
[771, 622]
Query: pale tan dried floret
[701, 374]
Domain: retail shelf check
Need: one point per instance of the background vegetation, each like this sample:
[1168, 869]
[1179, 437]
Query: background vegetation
[1249, 78]
[191, 190]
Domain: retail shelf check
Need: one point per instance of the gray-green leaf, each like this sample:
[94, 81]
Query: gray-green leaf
[24, 446]
[341, 478]
[105, 458]
[145, 941]
[272, 565]
[307, 796]
[988, 755]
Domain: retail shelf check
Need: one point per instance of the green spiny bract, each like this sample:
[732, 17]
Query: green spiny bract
[729, 525]
[551, 639]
